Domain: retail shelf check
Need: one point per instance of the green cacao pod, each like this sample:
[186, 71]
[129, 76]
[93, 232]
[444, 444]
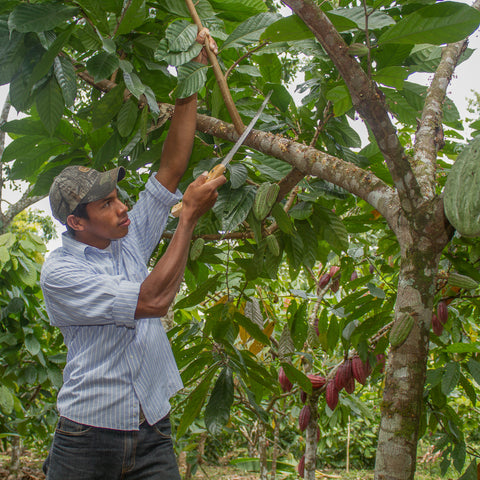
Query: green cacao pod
[357, 50]
[461, 199]
[264, 199]
[458, 280]
[273, 245]
[401, 329]
[197, 249]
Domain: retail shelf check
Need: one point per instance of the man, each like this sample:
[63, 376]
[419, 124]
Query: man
[120, 370]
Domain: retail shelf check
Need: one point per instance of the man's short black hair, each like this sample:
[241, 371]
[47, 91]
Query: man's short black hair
[80, 212]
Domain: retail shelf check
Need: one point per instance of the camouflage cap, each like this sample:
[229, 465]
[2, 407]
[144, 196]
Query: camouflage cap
[77, 184]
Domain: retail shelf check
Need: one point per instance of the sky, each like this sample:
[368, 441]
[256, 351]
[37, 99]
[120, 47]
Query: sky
[464, 82]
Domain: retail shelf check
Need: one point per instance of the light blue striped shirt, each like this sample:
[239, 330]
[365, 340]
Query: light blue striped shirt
[115, 363]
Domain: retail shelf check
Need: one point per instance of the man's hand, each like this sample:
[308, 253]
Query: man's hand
[200, 196]
[202, 37]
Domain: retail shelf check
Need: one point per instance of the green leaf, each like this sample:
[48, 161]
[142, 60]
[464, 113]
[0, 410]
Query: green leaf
[32, 344]
[191, 78]
[134, 84]
[376, 19]
[298, 323]
[102, 65]
[392, 76]
[6, 400]
[238, 174]
[287, 29]
[199, 294]
[50, 105]
[195, 402]
[95, 13]
[442, 22]
[55, 376]
[282, 218]
[127, 116]
[334, 232]
[179, 58]
[252, 328]
[66, 78]
[474, 368]
[470, 472]
[469, 389]
[341, 99]
[250, 30]
[34, 17]
[462, 348]
[232, 206]
[217, 411]
[298, 377]
[281, 98]
[450, 377]
[107, 107]
[238, 11]
[152, 101]
[133, 17]
[181, 35]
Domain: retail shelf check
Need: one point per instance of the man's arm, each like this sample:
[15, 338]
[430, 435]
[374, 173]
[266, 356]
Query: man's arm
[178, 144]
[158, 290]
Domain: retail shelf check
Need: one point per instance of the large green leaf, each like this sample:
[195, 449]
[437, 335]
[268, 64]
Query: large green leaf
[35, 17]
[107, 107]
[341, 99]
[191, 78]
[32, 344]
[102, 65]
[238, 11]
[133, 17]
[66, 78]
[217, 411]
[287, 29]
[11, 53]
[232, 206]
[450, 377]
[199, 294]
[376, 19]
[392, 76]
[95, 13]
[298, 377]
[250, 30]
[50, 104]
[442, 22]
[181, 35]
[127, 117]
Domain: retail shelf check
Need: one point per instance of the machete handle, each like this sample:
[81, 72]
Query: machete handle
[214, 173]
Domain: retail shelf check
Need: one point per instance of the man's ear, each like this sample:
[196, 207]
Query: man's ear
[76, 223]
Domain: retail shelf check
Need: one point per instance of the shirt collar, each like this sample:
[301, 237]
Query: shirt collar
[79, 248]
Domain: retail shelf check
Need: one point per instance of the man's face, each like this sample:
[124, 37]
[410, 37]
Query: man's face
[107, 220]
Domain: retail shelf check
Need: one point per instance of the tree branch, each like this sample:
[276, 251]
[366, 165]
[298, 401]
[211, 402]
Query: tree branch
[3, 119]
[19, 206]
[367, 100]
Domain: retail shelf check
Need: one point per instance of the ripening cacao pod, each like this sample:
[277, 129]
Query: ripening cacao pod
[334, 269]
[301, 466]
[463, 281]
[442, 312]
[273, 245]
[401, 329]
[264, 199]
[335, 285]
[437, 326]
[353, 276]
[324, 279]
[197, 248]
[317, 380]
[461, 200]
[350, 385]
[285, 383]
[344, 374]
[304, 418]
[331, 395]
[360, 369]
[371, 268]
[303, 396]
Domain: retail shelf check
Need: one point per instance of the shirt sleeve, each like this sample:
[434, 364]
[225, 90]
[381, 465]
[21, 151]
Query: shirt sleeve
[149, 217]
[75, 298]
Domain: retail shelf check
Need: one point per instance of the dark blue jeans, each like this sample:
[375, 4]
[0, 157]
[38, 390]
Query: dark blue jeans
[80, 452]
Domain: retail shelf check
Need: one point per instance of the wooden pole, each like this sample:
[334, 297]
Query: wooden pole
[222, 83]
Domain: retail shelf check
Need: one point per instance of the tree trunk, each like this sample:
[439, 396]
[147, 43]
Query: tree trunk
[262, 451]
[311, 439]
[405, 377]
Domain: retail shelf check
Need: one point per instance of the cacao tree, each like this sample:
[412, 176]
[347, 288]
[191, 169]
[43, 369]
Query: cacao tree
[96, 81]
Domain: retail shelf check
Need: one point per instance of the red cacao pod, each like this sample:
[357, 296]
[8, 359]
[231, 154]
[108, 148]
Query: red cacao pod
[437, 327]
[331, 395]
[360, 369]
[371, 268]
[324, 279]
[285, 383]
[301, 466]
[335, 285]
[303, 396]
[334, 270]
[317, 380]
[353, 276]
[344, 374]
[350, 385]
[442, 312]
[304, 418]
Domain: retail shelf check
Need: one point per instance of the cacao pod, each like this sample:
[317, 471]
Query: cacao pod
[197, 248]
[401, 329]
[353, 276]
[371, 268]
[264, 199]
[303, 396]
[273, 245]
[334, 269]
[285, 383]
[437, 326]
[335, 285]
[442, 312]
[317, 380]
[360, 369]
[458, 280]
[304, 418]
[461, 200]
[324, 279]
[350, 385]
[357, 50]
[301, 467]
[331, 395]
[344, 374]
